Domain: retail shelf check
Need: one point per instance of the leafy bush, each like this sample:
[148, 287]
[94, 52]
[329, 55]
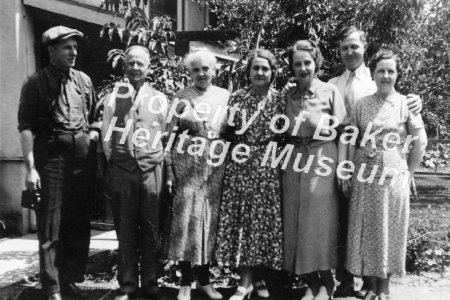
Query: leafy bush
[418, 30]
[437, 157]
[428, 245]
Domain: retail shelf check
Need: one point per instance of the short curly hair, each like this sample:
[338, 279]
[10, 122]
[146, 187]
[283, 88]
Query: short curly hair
[266, 54]
[309, 46]
[202, 53]
[385, 53]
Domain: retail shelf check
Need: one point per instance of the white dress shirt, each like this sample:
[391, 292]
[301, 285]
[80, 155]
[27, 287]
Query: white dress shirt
[361, 86]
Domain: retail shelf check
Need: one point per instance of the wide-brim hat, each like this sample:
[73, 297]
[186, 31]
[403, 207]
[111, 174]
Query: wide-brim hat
[58, 33]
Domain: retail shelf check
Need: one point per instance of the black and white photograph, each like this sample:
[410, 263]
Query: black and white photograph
[225, 149]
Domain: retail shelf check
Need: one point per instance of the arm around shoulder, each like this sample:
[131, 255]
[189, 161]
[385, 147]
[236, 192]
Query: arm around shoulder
[418, 147]
[414, 103]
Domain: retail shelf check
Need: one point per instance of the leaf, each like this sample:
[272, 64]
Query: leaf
[152, 45]
[117, 61]
[104, 32]
[113, 53]
[111, 34]
[430, 164]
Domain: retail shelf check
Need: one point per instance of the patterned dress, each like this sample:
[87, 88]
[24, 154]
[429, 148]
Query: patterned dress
[379, 211]
[198, 182]
[250, 232]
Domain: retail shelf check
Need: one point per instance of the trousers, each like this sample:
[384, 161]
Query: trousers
[342, 275]
[136, 204]
[66, 164]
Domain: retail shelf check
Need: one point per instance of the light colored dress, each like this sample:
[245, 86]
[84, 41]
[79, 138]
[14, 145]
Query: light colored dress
[198, 184]
[378, 224]
[310, 200]
[250, 232]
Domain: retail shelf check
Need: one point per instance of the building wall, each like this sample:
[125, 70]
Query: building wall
[17, 61]
[190, 16]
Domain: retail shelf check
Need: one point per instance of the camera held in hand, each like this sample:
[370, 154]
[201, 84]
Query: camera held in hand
[31, 199]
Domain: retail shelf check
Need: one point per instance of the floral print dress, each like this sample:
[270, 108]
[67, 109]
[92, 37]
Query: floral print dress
[379, 210]
[250, 227]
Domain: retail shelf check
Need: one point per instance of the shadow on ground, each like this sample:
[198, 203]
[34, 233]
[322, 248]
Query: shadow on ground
[101, 284]
[20, 292]
[19, 264]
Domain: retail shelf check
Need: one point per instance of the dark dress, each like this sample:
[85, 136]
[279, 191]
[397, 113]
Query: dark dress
[250, 231]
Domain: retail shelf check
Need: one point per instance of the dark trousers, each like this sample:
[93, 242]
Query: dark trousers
[135, 202]
[65, 167]
[342, 275]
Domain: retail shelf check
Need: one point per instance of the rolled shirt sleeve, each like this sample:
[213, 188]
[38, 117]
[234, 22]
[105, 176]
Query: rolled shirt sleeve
[28, 106]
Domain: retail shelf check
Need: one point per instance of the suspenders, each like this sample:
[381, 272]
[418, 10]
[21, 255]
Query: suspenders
[45, 87]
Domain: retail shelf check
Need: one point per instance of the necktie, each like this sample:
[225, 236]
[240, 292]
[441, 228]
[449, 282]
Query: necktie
[63, 89]
[348, 95]
[64, 103]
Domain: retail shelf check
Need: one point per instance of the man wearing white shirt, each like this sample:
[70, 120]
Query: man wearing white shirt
[355, 83]
[355, 88]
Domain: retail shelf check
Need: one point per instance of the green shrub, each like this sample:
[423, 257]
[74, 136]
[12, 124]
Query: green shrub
[428, 245]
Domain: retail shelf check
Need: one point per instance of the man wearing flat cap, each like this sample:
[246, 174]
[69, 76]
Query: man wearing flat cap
[59, 133]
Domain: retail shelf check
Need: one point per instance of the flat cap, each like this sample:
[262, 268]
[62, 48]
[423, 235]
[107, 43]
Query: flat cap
[60, 33]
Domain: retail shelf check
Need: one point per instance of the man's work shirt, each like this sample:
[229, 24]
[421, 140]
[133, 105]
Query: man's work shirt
[354, 86]
[132, 127]
[53, 99]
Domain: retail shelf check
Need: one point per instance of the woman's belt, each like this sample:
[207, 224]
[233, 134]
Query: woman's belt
[307, 142]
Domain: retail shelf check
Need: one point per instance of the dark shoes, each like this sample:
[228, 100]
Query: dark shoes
[344, 292]
[70, 289]
[348, 292]
[55, 296]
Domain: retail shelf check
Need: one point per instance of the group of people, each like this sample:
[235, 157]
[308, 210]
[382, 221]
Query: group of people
[297, 214]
